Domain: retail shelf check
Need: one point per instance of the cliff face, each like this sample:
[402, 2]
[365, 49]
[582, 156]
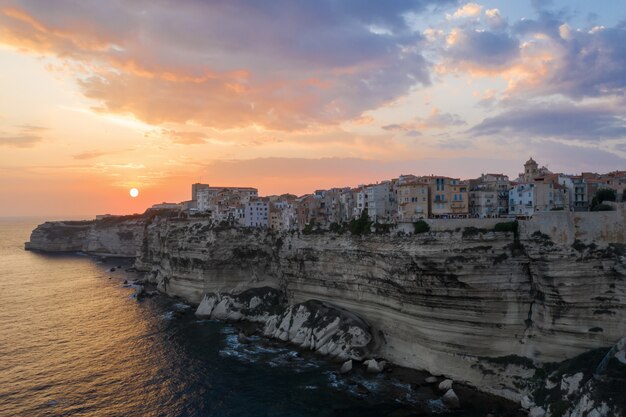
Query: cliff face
[120, 236]
[476, 305]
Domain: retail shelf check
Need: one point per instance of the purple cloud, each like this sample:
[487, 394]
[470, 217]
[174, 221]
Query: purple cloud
[557, 120]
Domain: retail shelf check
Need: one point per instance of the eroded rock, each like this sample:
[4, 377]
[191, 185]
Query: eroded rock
[346, 367]
[450, 399]
[445, 385]
[373, 366]
[322, 327]
[256, 305]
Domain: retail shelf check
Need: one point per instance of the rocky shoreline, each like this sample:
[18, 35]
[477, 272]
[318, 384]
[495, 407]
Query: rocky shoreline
[498, 311]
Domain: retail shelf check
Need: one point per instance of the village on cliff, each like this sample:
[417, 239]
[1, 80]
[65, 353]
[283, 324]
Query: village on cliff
[410, 198]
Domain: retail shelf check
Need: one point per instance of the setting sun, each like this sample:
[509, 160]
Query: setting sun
[134, 192]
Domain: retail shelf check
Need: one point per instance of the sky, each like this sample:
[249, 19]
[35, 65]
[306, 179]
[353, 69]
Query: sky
[98, 97]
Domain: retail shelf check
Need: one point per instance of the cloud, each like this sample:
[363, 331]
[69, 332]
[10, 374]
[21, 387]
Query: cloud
[556, 120]
[495, 20]
[468, 10]
[20, 141]
[593, 63]
[23, 136]
[32, 128]
[185, 138]
[562, 157]
[95, 154]
[435, 120]
[229, 64]
[541, 57]
[481, 48]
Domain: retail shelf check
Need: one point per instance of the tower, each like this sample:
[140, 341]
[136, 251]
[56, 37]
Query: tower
[531, 170]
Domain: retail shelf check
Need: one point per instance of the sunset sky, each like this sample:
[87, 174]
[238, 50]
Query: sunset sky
[97, 97]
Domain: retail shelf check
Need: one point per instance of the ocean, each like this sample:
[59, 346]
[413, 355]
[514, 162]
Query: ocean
[74, 341]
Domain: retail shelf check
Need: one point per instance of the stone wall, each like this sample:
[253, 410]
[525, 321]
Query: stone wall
[566, 227]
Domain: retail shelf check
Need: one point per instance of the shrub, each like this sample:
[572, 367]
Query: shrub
[309, 227]
[606, 194]
[602, 207]
[602, 195]
[335, 228]
[473, 231]
[420, 226]
[383, 228]
[506, 227]
[362, 225]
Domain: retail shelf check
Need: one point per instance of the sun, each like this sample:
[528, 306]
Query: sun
[134, 192]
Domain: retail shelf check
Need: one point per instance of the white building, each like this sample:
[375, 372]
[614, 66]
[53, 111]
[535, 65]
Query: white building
[380, 201]
[166, 206]
[257, 213]
[522, 199]
[214, 199]
[567, 182]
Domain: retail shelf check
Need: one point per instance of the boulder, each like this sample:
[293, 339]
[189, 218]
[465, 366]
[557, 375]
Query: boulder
[571, 383]
[346, 367]
[526, 402]
[537, 412]
[373, 366]
[445, 385]
[205, 308]
[450, 399]
[431, 380]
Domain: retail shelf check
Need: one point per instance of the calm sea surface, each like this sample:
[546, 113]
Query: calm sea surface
[74, 342]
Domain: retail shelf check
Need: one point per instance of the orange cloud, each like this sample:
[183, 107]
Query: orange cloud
[125, 77]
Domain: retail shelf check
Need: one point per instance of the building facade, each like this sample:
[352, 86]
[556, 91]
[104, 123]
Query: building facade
[413, 200]
[257, 213]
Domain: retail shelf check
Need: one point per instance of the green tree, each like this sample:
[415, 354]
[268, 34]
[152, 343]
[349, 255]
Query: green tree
[602, 195]
[309, 227]
[420, 226]
[335, 227]
[362, 225]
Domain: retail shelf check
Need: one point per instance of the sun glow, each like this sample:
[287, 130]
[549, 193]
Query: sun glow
[134, 192]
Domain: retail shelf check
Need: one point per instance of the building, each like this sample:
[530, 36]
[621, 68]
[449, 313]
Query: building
[166, 206]
[549, 194]
[218, 200]
[531, 171]
[522, 199]
[347, 204]
[484, 203]
[256, 213]
[448, 196]
[195, 188]
[489, 195]
[378, 199]
[413, 200]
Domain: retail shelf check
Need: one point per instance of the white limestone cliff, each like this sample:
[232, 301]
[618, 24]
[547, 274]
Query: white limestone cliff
[481, 307]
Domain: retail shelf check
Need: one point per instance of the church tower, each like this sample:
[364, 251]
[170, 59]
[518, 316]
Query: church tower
[531, 170]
